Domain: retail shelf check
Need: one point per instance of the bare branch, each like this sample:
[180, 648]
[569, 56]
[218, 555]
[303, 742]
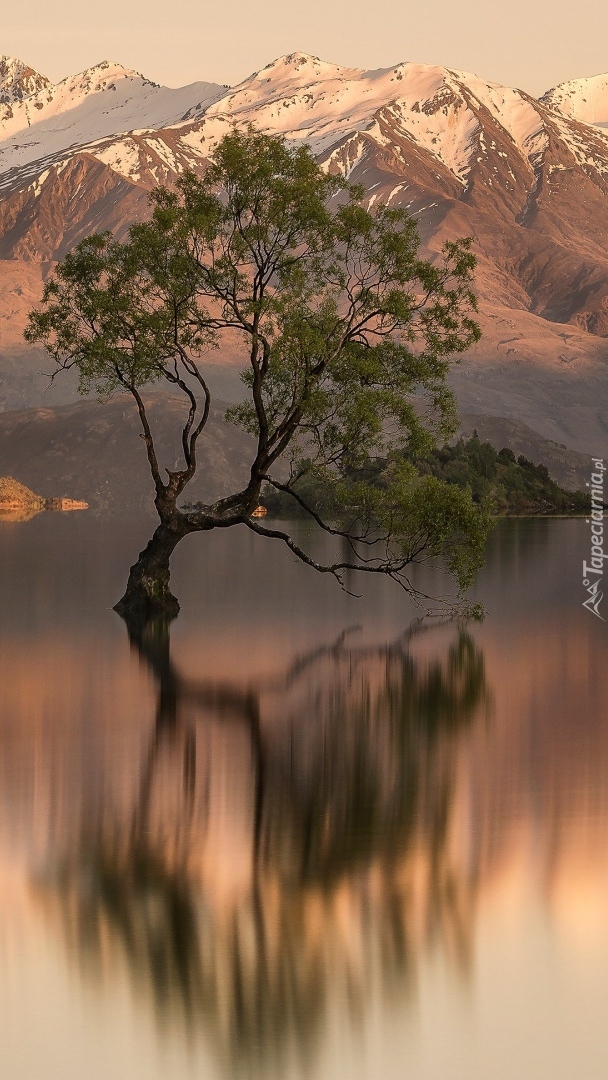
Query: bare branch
[147, 433]
[351, 537]
[393, 569]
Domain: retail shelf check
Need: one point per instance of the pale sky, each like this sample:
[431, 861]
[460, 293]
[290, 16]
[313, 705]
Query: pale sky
[531, 44]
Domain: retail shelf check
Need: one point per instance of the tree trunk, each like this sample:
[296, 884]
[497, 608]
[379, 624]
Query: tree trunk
[148, 593]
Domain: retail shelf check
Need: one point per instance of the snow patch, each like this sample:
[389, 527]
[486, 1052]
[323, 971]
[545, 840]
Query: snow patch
[104, 100]
[581, 99]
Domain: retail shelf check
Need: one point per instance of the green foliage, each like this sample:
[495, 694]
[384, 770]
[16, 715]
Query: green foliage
[507, 485]
[110, 311]
[454, 490]
[347, 336]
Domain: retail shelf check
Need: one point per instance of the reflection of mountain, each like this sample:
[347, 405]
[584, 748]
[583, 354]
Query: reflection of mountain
[284, 843]
[19, 513]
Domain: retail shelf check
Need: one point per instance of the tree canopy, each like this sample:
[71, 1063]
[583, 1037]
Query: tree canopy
[347, 337]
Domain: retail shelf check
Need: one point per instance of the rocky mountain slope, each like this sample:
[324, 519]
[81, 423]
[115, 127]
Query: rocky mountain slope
[18, 81]
[527, 178]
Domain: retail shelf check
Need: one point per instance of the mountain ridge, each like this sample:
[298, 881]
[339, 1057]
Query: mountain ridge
[104, 100]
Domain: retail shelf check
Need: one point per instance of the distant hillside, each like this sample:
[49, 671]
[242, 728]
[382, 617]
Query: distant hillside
[497, 479]
[95, 451]
[568, 468]
[506, 483]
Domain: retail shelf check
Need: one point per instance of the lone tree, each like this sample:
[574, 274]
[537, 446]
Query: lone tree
[347, 334]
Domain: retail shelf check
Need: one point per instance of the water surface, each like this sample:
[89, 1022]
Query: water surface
[304, 837]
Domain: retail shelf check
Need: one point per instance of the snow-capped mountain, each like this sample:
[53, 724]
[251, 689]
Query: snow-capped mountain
[320, 103]
[527, 178]
[18, 81]
[104, 100]
[581, 99]
[116, 114]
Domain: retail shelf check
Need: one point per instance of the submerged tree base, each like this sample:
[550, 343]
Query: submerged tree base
[141, 606]
[148, 594]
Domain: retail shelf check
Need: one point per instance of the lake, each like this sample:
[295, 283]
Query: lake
[306, 836]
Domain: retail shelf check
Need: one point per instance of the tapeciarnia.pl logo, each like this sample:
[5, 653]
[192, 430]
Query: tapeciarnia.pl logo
[593, 571]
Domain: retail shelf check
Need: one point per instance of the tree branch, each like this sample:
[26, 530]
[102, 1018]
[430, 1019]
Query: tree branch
[393, 570]
[147, 433]
[351, 537]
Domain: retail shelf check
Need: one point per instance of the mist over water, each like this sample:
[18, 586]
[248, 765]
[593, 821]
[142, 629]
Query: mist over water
[296, 833]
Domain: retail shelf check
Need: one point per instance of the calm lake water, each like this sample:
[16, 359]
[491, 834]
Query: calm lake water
[304, 838]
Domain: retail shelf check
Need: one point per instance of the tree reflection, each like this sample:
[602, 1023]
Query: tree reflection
[288, 846]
